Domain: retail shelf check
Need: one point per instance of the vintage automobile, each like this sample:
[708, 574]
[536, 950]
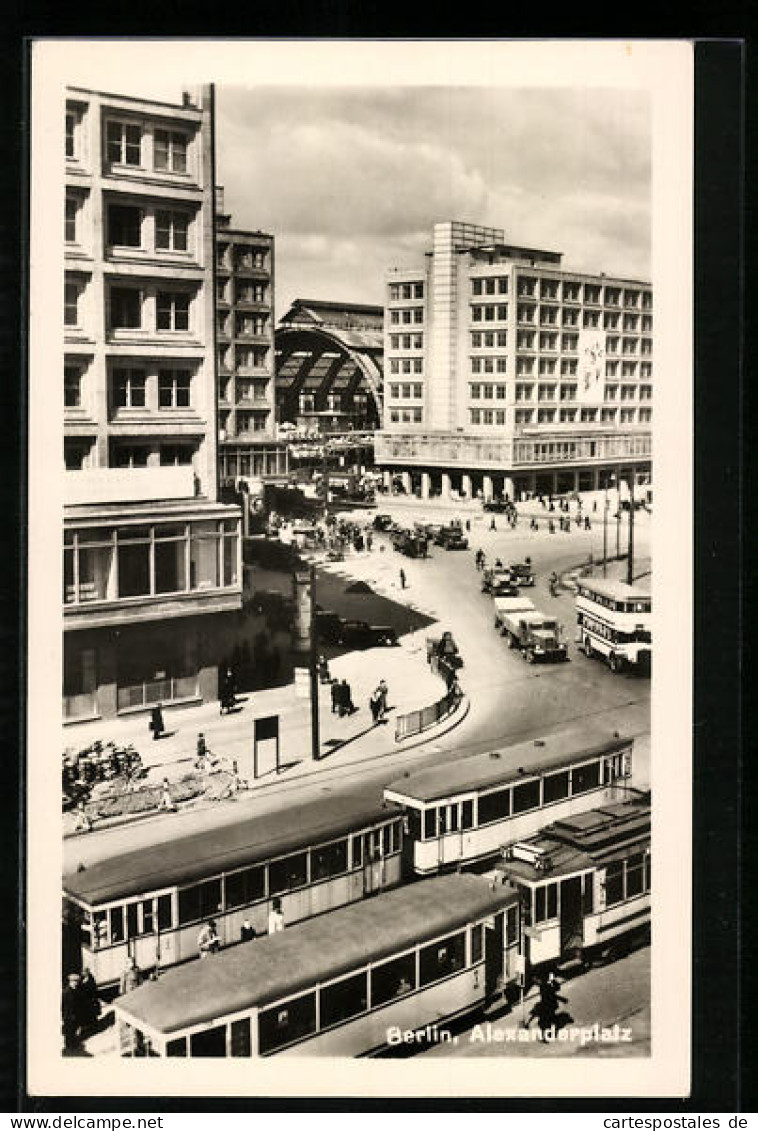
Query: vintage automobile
[521, 573]
[382, 521]
[454, 540]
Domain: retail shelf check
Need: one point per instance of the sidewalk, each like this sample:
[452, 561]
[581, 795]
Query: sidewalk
[229, 738]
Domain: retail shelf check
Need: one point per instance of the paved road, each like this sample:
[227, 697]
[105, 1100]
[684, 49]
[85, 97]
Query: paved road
[509, 700]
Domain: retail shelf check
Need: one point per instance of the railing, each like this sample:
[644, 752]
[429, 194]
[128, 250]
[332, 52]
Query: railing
[417, 721]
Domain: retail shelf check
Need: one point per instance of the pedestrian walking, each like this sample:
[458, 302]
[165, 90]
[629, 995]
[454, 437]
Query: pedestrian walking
[384, 692]
[375, 703]
[594, 506]
[335, 689]
[493, 524]
[402, 579]
[227, 691]
[347, 707]
[369, 541]
[167, 801]
[83, 823]
[551, 526]
[587, 523]
[323, 670]
[553, 583]
[156, 721]
[71, 1013]
[89, 1000]
[275, 918]
[468, 525]
[203, 762]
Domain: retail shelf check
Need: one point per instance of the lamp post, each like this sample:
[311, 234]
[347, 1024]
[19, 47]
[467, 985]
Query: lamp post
[630, 559]
[314, 676]
[618, 513]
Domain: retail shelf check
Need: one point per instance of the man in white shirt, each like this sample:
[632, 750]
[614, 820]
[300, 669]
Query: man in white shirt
[275, 918]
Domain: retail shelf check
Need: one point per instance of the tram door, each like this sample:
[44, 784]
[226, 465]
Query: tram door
[572, 933]
[493, 952]
[450, 847]
[373, 862]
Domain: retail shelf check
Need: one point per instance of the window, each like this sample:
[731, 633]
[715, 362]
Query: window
[283, 1024]
[125, 308]
[344, 999]
[555, 787]
[176, 455]
[123, 144]
[247, 886]
[72, 294]
[614, 883]
[288, 873]
[635, 879]
[129, 388]
[442, 958]
[545, 903]
[526, 796]
[171, 230]
[72, 213]
[330, 860]
[239, 1037]
[72, 386]
[209, 1042]
[174, 388]
[171, 151]
[494, 806]
[393, 979]
[70, 133]
[467, 814]
[134, 568]
[172, 310]
[584, 778]
[477, 943]
[124, 226]
[430, 824]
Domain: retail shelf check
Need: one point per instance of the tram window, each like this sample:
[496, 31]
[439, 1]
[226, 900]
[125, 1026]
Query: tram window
[239, 1038]
[117, 924]
[414, 824]
[131, 920]
[494, 806]
[286, 1023]
[634, 876]
[585, 777]
[100, 933]
[395, 836]
[430, 824]
[546, 903]
[189, 905]
[539, 905]
[393, 979]
[511, 926]
[442, 958]
[526, 796]
[643, 636]
[210, 898]
[211, 1042]
[647, 871]
[587, 894]
[614, 883]
[164, 913]
[467, 814]
[552, 901]
[555, 787]
[476, 943]
[357, 851]
[331, 860]
[288, 873]
[241, 888]
[177, 1047]
[344, 999]
[147, 917]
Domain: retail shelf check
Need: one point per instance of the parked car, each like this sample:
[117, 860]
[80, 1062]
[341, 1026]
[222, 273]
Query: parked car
[521, 573]
[361, 634]
[493, 577]
[382, 521]
[328, 626]
[454, 540]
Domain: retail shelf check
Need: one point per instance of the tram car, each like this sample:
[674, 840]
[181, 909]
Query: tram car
[337, 985]
[465, 811]
[151, 903]
[584, 884]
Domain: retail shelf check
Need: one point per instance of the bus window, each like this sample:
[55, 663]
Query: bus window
[494, 806]
[442, 958]
[393, 979]
[283, 1024]
[585, 777]
[526, 796]
[430, 824]
[467, 814]
[239, 1037]
[288, 873]
[555, 787]
[344, 999]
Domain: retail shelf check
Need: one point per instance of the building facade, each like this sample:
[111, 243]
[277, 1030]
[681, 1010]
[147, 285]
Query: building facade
[506, 374]
[245, 352]
[152, 559]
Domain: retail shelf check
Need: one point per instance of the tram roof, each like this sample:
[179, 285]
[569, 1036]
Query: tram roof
[481, 771]
[616, 590]
[273, 967]
[196, 855]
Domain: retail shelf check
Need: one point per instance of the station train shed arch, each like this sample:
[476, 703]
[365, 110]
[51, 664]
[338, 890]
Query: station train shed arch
[330, 364]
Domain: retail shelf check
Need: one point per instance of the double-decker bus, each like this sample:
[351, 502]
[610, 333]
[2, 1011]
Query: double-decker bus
[614, 620]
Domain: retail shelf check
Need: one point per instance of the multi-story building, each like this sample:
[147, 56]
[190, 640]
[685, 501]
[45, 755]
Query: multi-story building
[152, 559]
[505, 373]
[245, 352]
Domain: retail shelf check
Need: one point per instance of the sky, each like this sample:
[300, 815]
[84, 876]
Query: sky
[351, 181]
